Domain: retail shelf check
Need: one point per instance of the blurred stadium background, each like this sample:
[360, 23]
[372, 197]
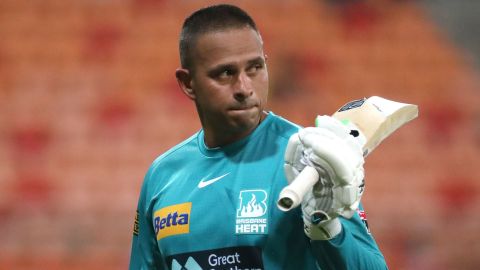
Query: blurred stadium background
[88, 99]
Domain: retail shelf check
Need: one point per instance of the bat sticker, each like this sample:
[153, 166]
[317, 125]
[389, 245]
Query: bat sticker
[352, 104]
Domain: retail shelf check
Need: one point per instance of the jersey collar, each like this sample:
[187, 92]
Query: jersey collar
[234, 147]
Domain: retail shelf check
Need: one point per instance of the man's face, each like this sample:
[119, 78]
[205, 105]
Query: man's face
[229, 81]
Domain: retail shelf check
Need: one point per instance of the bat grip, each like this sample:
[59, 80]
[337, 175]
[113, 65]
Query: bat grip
[292, 195]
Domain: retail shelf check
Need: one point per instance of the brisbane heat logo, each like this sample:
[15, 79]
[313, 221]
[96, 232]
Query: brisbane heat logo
[252, 212]
[172, 220]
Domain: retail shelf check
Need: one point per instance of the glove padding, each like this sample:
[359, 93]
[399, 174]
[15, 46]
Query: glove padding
[337, 156]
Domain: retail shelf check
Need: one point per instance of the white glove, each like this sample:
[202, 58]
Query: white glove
[337, 156]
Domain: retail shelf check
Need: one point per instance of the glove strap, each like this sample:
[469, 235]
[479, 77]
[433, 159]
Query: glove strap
[319, 226]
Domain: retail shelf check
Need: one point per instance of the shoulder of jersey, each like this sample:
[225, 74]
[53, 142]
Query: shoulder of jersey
[284, 127]
[174, 154]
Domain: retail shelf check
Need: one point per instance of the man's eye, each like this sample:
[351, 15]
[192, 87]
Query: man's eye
[255, 68]
[226, 73]
[259, 66]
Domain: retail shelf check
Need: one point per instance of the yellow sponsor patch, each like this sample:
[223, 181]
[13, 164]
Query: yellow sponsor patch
[136, 224]
[172, 220]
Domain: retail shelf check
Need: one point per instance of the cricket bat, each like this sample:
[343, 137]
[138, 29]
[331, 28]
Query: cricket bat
[376, 118]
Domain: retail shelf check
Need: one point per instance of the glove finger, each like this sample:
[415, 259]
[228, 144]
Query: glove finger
[346, 195]
[290, 172]
[332, 150]
[332, 124]
[323, 167]
[293, 154]
[338, 134]
[294, 150]
[345, 130]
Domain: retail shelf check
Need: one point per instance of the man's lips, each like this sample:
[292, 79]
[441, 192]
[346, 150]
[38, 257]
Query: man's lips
[243, 107]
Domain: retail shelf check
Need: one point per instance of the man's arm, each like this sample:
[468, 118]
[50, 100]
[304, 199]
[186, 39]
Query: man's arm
[339, 239]
[145, 253]
[353, 248]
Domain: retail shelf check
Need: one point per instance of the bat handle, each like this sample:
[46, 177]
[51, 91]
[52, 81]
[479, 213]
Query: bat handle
[291, 196]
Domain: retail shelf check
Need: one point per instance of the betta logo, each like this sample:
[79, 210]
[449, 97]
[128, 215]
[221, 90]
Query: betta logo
[252, 212]
[172, 220]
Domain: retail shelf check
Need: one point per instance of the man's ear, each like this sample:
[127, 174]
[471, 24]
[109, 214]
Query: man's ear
[184, 79]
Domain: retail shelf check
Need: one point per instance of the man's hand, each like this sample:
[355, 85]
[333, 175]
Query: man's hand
[335, 151]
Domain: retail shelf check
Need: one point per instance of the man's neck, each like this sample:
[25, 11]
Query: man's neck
[219, 138]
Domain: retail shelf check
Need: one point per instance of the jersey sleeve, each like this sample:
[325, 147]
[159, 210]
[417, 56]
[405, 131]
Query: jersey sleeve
[145, 253]
[353, 248]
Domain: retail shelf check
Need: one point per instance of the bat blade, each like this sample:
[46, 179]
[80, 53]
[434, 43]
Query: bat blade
[377, 118]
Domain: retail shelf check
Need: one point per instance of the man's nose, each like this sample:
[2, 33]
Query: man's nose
[243, 87]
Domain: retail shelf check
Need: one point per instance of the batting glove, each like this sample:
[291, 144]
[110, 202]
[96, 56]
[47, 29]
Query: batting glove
[337, 156]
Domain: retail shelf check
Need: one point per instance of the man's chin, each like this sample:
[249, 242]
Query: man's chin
[247, 118]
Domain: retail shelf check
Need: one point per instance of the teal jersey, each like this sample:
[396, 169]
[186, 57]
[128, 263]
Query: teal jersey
[204, 208]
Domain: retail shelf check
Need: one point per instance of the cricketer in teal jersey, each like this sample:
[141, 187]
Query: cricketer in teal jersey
[210, 202]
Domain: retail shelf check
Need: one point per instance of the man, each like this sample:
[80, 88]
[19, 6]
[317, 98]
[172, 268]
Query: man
[209, 202]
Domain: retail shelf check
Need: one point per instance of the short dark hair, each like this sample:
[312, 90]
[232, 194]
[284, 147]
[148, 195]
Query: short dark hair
[210, 19]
